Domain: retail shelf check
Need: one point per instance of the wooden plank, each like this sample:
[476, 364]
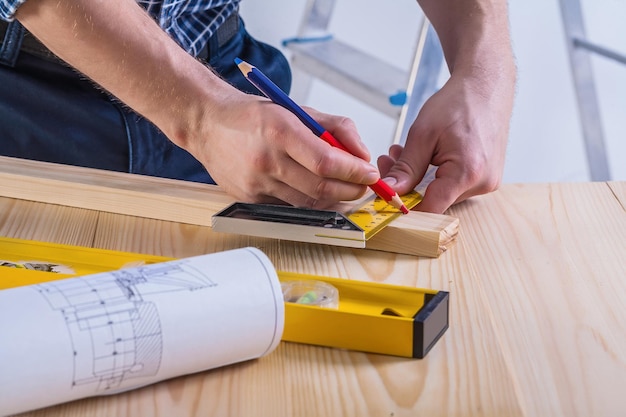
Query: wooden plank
[550, 260]
[537, 318]
[418, 234]
[115, 192]
[50, 223]
[324, 382]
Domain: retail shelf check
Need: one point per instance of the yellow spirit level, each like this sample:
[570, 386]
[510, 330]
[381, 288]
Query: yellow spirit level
[369, 317]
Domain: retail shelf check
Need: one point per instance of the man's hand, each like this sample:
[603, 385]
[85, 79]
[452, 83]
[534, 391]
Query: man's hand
[463, 128]
[261, 152]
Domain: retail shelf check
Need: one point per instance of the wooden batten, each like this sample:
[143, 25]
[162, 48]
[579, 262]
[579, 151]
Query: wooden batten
[419, 234]
[115, 192]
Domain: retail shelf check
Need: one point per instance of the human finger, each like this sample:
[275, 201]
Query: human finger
[344, 131]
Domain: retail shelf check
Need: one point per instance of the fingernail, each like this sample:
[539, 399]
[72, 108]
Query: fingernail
[391, 181]
[371, 177]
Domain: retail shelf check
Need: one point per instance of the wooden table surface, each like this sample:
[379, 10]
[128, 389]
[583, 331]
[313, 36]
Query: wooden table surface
[537, 284]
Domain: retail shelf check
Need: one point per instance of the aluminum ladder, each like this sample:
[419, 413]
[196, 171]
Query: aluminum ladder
[399, 94]
[580, 49]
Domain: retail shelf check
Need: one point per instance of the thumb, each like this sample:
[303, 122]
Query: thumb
[401, 175]
[386, 162]
[438, 198]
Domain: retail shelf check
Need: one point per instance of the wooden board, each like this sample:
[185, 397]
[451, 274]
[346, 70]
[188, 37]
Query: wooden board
[419, 234]
[550, 261]
[115, 192]
[537, 314]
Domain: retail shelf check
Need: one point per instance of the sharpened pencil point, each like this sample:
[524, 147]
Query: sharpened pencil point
[396, 201]
[238, 61]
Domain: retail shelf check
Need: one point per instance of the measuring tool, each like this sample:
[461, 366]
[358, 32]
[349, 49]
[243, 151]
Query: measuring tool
[308, 225]
[369, 317]
[325, 311]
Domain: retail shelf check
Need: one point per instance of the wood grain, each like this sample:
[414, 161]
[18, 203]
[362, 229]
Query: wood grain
[537, 314]
[551, 263]
[417, 233]
[115, 192]
[313, 381]
[37, 221]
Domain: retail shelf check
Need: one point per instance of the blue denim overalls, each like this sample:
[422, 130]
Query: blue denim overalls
[49, 112]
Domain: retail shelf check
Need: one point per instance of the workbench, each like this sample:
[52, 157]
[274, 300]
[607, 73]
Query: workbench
[537, 283]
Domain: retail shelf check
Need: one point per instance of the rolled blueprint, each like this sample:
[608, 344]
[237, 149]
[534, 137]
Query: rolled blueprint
[110, 332]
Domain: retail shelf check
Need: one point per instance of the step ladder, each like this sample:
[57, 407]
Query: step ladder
[580, 49]
[399, 94]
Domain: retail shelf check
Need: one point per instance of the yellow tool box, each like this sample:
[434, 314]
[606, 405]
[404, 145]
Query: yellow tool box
[333, 312]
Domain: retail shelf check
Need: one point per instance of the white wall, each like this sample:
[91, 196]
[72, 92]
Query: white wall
[545, 143]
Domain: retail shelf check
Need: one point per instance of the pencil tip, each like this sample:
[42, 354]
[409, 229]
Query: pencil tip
[238, 61]
[397, 202]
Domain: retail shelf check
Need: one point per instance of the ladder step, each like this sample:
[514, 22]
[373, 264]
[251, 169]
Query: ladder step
[355, 72]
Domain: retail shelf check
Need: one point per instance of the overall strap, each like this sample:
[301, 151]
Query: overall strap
[11, 35]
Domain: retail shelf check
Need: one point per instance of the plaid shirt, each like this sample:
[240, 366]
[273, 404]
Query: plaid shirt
[190, 22]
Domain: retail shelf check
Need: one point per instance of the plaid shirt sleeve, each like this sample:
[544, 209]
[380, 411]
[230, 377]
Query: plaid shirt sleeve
[8, 9]
[189, 22]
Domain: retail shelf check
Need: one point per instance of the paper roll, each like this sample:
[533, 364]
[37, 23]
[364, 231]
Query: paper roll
[110, 332]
